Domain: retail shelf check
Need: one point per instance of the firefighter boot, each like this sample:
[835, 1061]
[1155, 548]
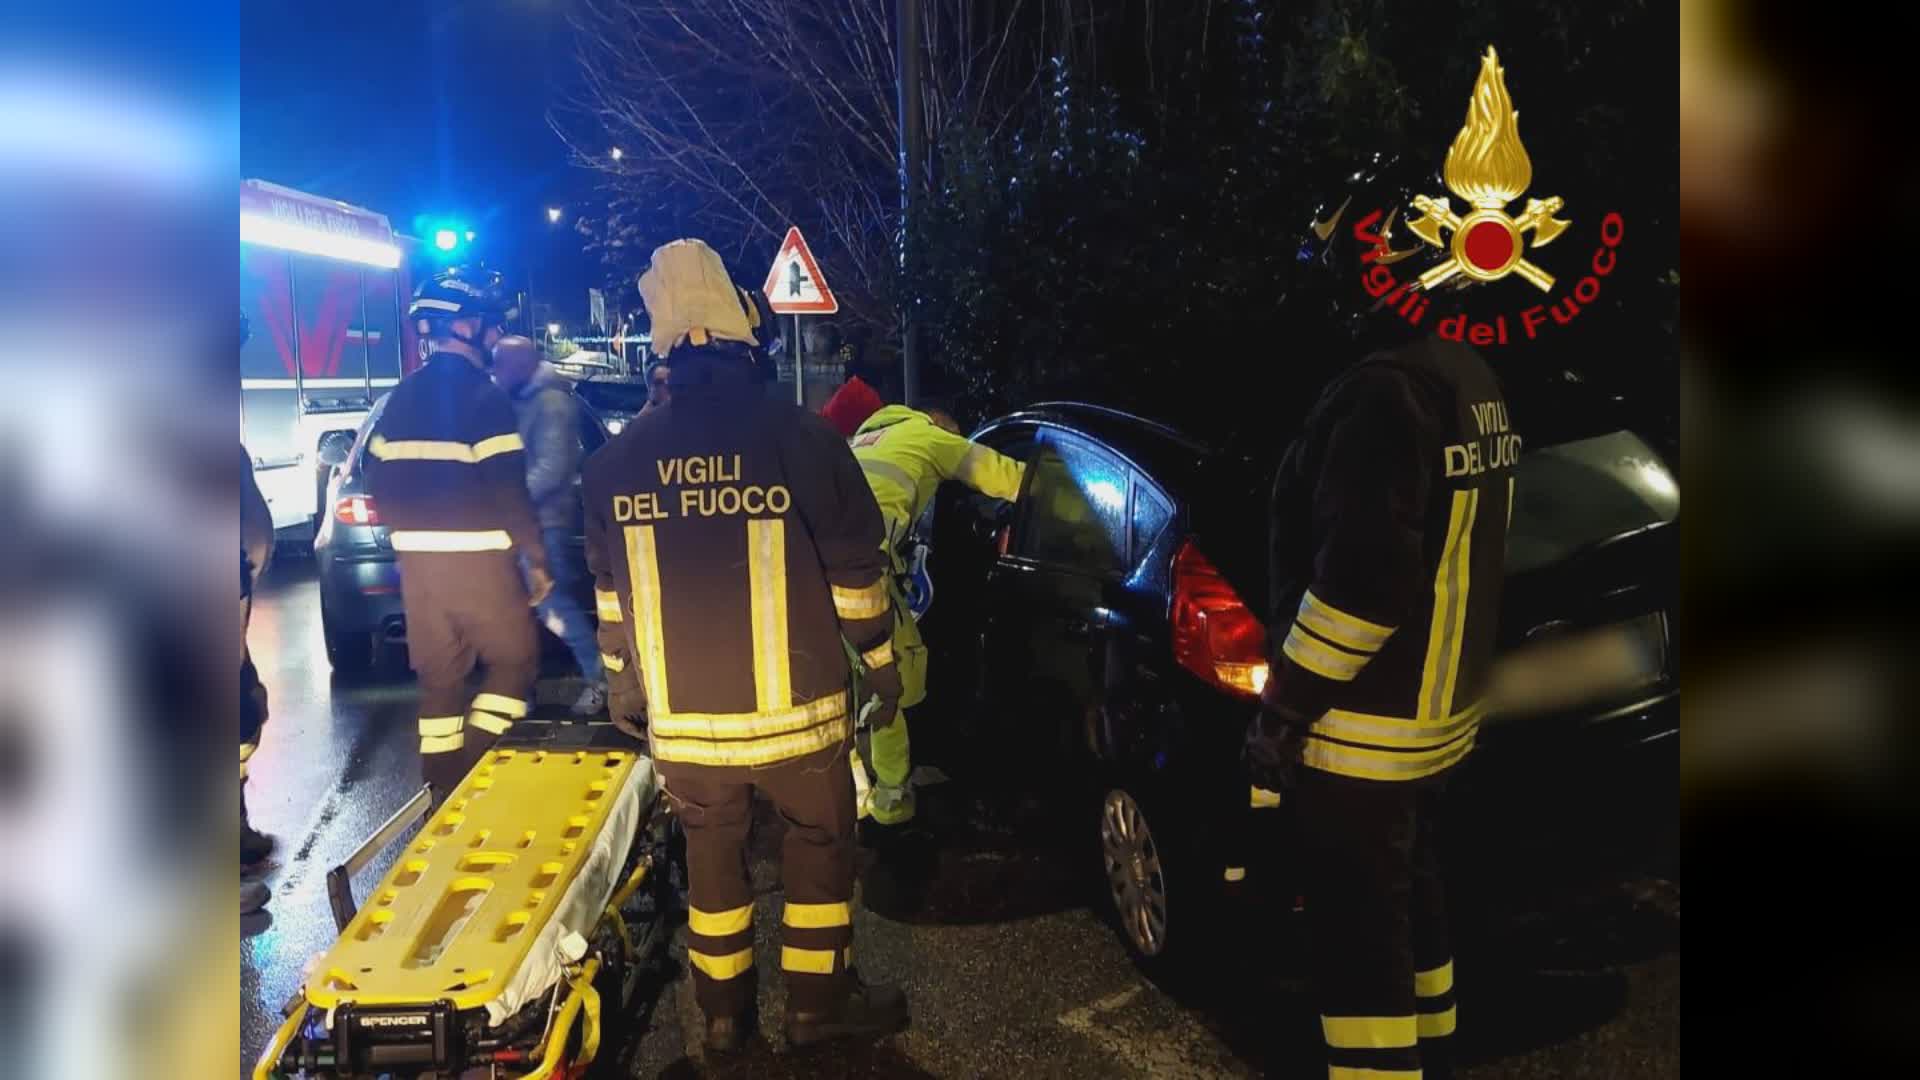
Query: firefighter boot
[255, 845]
[729, 1034]
[866, 1012]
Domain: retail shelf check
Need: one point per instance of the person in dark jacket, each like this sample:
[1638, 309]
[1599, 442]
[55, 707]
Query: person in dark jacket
[737, 561]
[1387, 537]
[446, 466]
[550, 426]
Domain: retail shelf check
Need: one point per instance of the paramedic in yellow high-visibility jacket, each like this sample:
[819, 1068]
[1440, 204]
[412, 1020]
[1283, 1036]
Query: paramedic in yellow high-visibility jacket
[906, 454]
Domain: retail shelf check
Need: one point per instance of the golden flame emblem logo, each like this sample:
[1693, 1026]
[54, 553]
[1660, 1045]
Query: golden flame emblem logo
[1488, 167]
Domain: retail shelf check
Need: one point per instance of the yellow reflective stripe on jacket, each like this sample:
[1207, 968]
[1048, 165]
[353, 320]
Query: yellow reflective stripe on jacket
[1370, 1032]
[1346, 630]
[890, 473]
[511, 707]
[866, 602]
[745, 726]
[1450, 586]
[607, 605]
[1392, 731]
[879, 656]
[1262, 799]
[719, 923]
[499, 444]
[612, 663]
[1348, 1072]
[450, 540]
[748, 752]
[443, 449]
[433, 726]
[649, 640]
[807, 961]
[730, 966]
[1321, 658]
[767, 584]
[817, 916]
[1367, 764]
[990, 473]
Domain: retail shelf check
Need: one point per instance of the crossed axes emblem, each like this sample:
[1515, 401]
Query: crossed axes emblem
[1487, 244]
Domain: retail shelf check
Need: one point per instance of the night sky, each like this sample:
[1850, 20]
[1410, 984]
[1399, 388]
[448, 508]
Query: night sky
[422, 111]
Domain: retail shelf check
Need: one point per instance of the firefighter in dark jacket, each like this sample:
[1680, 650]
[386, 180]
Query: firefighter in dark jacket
[1388, 534]
[448, 472]
[738, 568]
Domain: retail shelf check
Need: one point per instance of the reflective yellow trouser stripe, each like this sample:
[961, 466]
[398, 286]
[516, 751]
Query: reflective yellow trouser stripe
[440, 725]
[807, 961]
[1343, 1072]
[510, 707]
[722, 967]
[818, 916]
[440, 744]
[1439, 1025]
[612, 663]
[490, 723]
[608, 606]
[767, 581]
[649, 645]
[1433, 983]
[719, 923]
[1370, 1032]
[1451, 582]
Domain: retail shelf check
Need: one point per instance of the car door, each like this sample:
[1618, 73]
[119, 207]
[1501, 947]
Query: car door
[1051, 591]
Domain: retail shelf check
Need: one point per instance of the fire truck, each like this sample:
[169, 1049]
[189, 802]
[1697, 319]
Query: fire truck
[323, 285]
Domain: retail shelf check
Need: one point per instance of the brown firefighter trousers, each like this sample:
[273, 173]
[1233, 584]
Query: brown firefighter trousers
[814, 796]
[466, 608]
[1381, 958]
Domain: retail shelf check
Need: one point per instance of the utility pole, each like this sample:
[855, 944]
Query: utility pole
[913, 165]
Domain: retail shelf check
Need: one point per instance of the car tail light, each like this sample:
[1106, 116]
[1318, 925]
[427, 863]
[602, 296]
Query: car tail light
[356, 510]
[1215, 635]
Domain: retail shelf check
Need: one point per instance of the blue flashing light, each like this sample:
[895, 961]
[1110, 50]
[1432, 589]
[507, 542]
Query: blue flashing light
[446, 239]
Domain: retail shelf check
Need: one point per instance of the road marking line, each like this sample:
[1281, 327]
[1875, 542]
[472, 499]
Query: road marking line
[1181, 1052]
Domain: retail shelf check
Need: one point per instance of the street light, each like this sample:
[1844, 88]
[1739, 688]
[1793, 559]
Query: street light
[469, 236]
[616, 153]
[553, 215]
[553, 329]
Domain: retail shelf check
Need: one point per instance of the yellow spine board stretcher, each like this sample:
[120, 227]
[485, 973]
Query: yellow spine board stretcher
[457, 915]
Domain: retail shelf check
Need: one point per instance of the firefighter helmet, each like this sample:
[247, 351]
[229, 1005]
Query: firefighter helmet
[1359, 262]
[458, 293]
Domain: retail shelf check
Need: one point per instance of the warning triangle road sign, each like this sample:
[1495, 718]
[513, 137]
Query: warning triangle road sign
[794, 285]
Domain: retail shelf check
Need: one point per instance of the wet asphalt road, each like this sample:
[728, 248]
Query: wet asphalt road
[1573, 972]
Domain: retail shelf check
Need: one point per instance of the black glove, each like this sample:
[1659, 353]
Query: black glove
[1271, 754]
[628, 708]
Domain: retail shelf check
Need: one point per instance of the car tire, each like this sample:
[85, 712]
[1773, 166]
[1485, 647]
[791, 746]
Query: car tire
[1160, 902]
[349, 652]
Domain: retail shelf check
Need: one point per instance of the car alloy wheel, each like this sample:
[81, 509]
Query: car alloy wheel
[1134, 875]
